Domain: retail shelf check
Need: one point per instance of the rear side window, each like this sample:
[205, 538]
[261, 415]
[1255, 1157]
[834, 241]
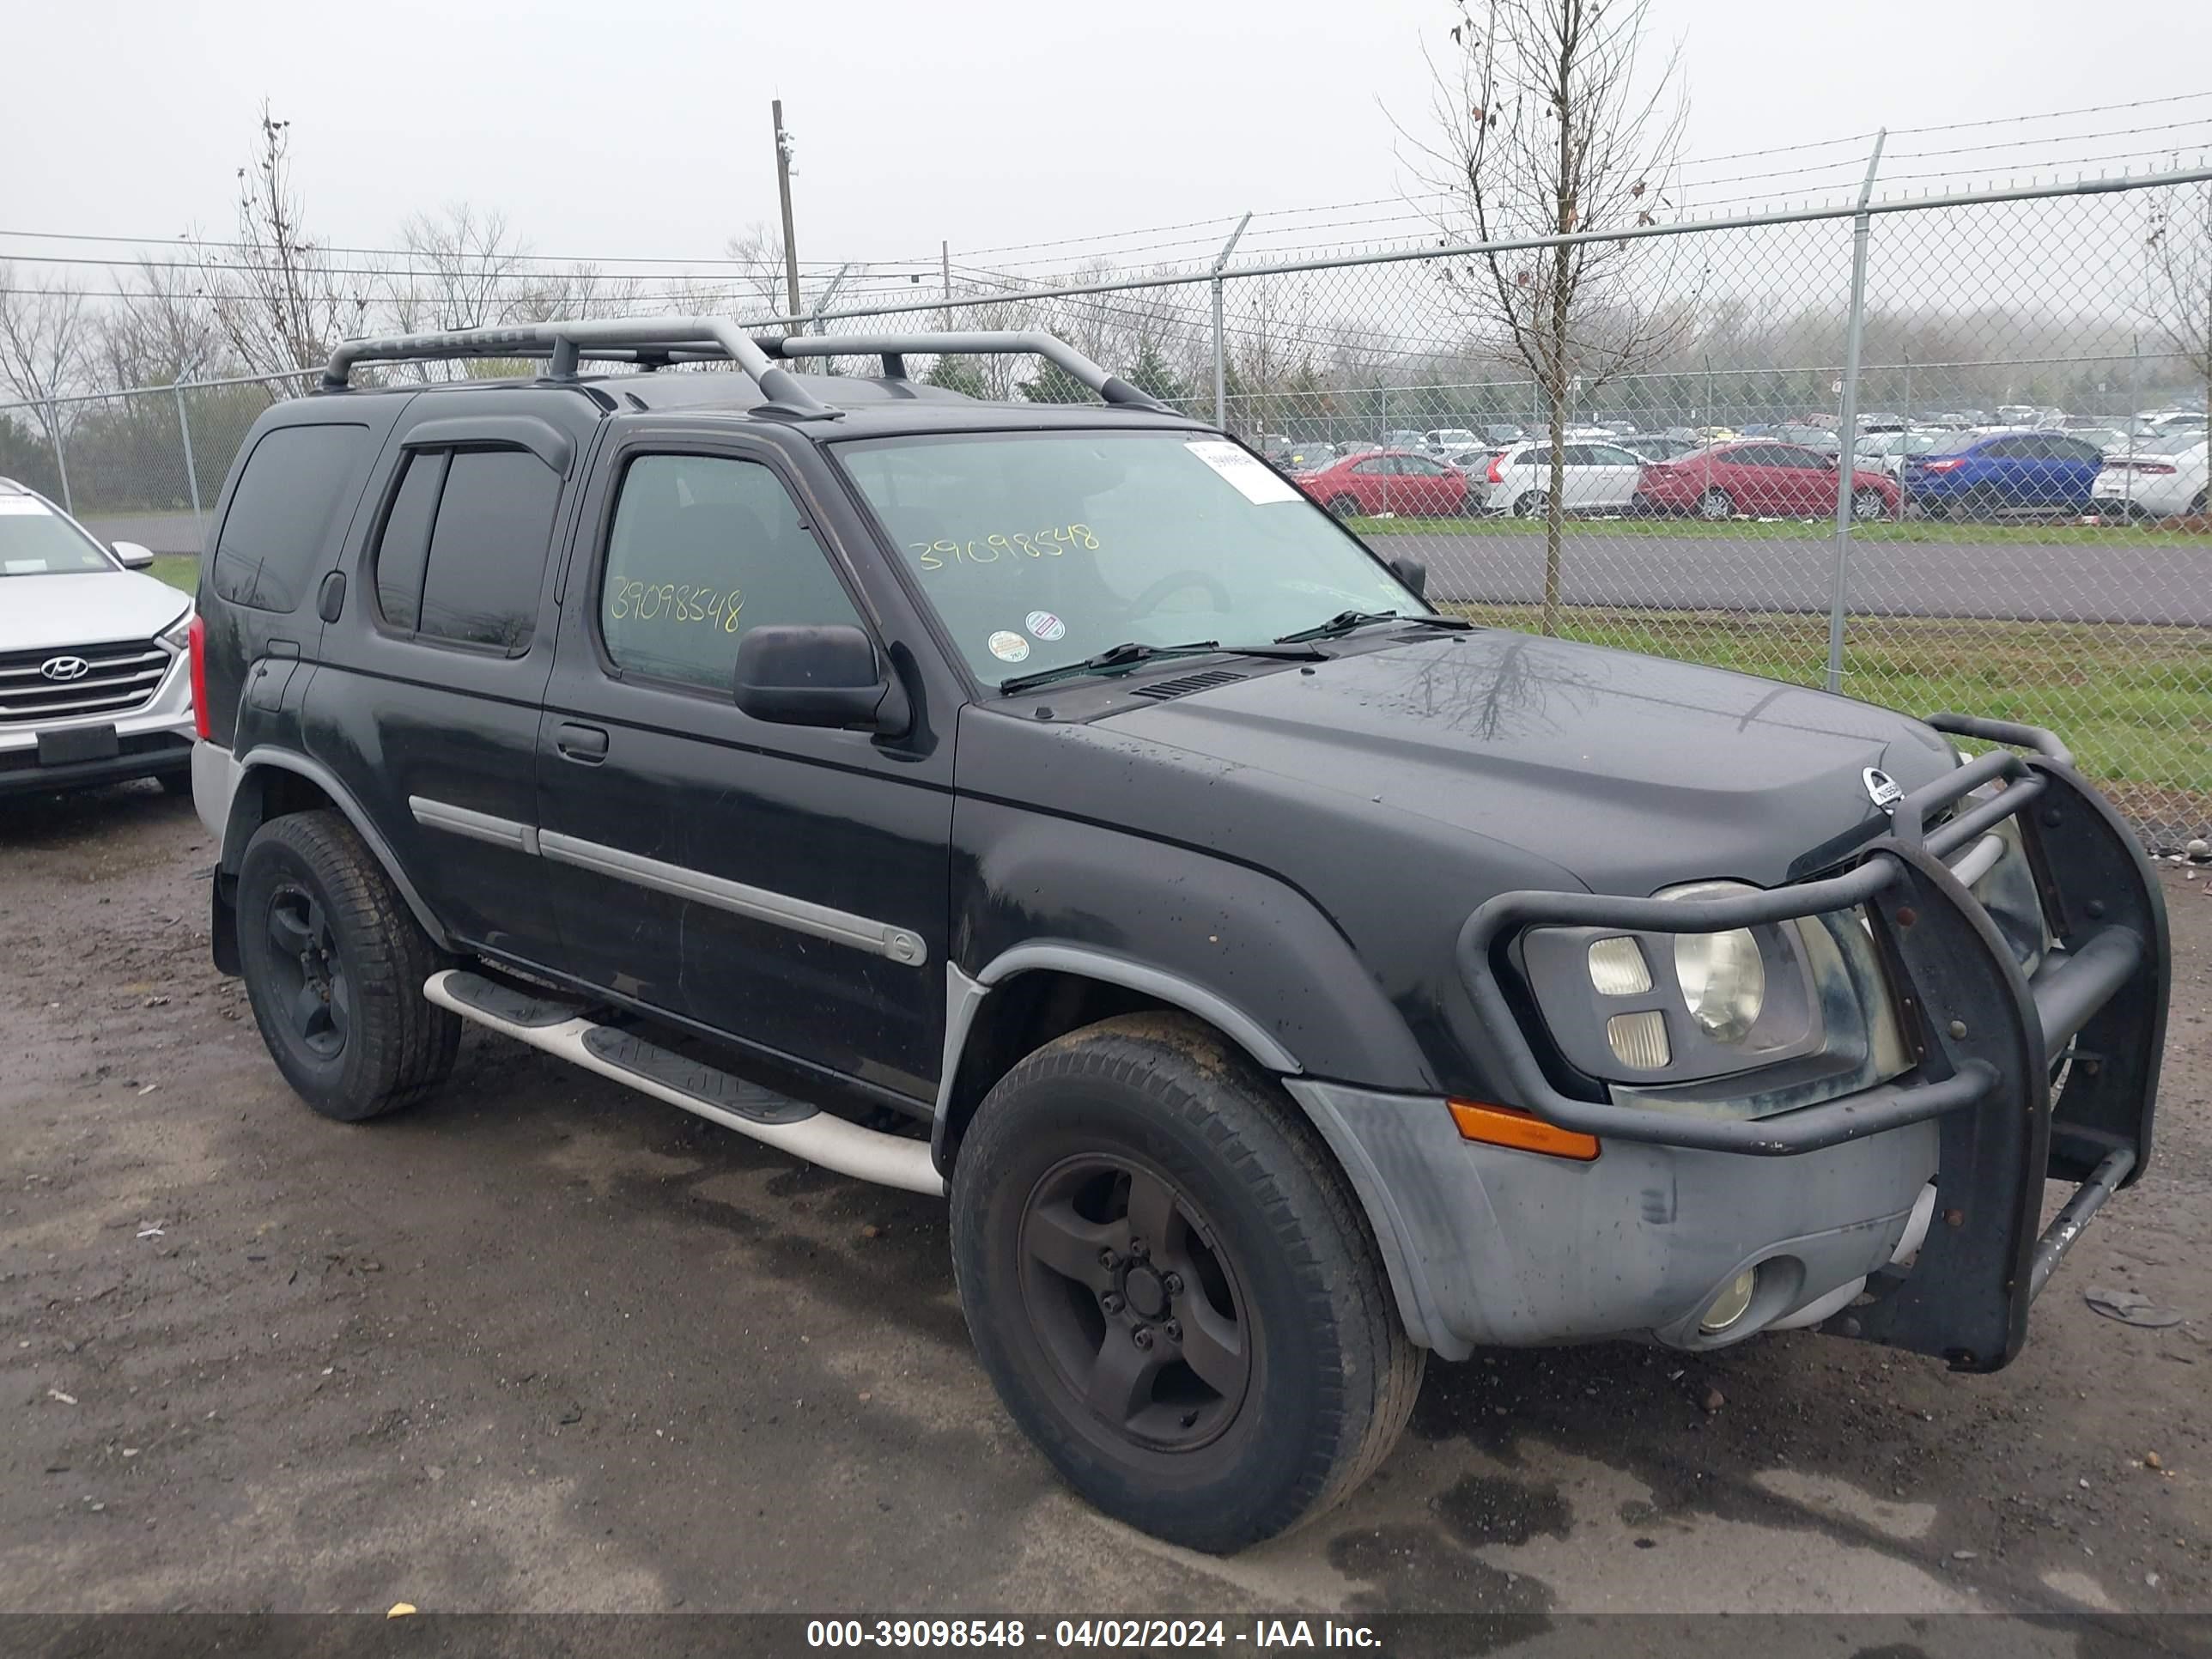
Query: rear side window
[462, 555]
[403, 549]
[275, 535]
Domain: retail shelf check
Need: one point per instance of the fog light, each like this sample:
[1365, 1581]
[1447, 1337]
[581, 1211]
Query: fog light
[1730, 1304]
[1617, 967]
[1639, 1040]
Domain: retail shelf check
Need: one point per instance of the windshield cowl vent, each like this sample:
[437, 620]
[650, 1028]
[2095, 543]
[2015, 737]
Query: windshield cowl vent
[1163, 689]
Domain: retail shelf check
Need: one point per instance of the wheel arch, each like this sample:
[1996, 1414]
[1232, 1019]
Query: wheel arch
[1031, 993]
[274, 783]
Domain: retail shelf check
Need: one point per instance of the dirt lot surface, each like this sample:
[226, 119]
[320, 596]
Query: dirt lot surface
[544, 1344]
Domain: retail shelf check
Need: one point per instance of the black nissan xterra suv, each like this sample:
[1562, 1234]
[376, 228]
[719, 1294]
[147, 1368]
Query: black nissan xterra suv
[1048, 807]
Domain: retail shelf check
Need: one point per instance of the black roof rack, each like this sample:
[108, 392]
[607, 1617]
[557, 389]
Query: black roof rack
[657, 342]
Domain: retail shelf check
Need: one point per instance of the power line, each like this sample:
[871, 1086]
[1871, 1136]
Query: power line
[423, 255]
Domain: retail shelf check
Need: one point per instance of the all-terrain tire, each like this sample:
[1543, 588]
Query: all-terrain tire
[374, 1044]
[1258, 1203]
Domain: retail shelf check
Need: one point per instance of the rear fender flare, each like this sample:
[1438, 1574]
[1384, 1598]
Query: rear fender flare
[249, 810]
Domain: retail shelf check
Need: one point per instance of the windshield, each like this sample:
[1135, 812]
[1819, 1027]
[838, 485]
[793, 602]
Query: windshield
[36, 541]
[1041, 549]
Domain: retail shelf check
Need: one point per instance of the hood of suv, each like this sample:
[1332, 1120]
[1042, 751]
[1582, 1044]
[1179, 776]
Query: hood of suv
[95, 607]
[1628, 771]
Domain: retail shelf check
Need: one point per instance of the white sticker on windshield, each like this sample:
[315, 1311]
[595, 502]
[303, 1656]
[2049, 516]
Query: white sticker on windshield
[1008, 646]
[26, 567]
[20, 504]
[1255, 479]
[1044, 625]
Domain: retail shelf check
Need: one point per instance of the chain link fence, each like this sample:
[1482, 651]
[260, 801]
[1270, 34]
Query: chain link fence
[2021, 532]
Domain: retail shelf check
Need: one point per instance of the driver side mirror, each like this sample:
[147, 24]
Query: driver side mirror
[819, 675]
[1413, 573]
[134, 556]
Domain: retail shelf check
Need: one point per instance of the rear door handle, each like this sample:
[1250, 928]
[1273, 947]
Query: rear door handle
[585, 744]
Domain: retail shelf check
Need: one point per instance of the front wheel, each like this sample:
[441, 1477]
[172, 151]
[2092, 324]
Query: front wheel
[1170, 1287]
[1714, 505]
[1867, 504]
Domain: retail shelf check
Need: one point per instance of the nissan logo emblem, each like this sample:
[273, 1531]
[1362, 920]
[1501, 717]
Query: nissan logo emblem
[65, 668]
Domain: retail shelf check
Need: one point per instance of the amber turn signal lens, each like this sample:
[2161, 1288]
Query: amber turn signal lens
[1501, 1126]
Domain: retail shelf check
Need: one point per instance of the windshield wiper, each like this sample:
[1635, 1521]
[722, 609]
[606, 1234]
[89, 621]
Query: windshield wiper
[1130, 652]
[1345, 621]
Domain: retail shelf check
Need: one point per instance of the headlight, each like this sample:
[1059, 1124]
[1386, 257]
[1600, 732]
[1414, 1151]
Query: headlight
[1749, 1021]
[1722, 975]
[179, 633]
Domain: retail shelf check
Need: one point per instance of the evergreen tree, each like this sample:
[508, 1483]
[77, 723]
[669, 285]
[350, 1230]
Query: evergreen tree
[1054, 385]
[956, 374]
[1153, 375]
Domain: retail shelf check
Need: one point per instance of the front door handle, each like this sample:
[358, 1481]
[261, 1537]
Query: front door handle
[586, 744]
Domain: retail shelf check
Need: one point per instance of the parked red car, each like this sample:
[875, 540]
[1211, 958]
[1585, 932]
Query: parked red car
[1387, 481]
[1760, 479]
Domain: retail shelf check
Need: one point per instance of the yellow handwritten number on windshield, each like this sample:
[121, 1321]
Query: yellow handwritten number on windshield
[1003, 546]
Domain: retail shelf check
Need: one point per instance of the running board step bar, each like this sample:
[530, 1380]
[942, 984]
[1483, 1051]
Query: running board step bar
[569, 1031]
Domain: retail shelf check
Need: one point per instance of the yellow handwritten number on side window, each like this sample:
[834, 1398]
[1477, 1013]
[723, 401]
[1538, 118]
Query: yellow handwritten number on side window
[675, 602]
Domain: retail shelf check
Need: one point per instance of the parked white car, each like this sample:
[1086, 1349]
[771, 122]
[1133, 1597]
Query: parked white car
[2162, 479]
[1597, 477]
[95, 677]
[1886, 452]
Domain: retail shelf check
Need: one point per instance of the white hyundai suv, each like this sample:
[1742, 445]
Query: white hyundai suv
[96, 675]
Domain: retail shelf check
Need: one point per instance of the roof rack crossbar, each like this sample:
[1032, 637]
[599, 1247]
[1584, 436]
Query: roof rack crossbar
[701, 338]
[893, 348]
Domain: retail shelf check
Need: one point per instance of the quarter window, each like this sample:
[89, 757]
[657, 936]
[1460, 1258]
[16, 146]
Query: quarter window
[704, 547]
[277, 530]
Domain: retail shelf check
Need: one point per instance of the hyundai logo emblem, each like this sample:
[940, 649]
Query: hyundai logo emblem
[1883, 790]
[65, 668]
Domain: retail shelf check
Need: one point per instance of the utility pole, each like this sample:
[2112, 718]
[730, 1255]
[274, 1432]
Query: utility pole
[783, 189]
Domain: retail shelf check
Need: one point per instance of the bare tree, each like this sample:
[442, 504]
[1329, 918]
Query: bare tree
[45, 341]
[280, 302]
[1543, 128]
[161, 330]
[459, 269]
[2179, 251]
[757, 281]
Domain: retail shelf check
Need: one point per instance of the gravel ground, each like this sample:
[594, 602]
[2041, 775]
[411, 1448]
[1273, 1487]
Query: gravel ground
[545, 1344]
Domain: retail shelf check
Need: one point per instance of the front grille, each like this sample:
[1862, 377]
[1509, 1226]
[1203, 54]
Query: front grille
[117, 679]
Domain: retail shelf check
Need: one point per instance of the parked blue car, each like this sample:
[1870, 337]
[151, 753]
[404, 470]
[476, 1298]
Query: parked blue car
[2050, 472]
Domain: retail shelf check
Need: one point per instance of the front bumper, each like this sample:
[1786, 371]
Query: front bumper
[2019, 1078]
[152, 740]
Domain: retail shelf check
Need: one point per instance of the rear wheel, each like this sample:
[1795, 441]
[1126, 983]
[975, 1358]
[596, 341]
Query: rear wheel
[1716, 504]
[1535, 504]
[334, 966]
[1170, 1288]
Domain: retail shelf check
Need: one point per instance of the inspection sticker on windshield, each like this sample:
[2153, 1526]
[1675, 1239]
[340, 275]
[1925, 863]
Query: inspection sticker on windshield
[1255, 479]
[1008, 646]
[1044, 625]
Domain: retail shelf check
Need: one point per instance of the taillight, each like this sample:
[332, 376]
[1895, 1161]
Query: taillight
[1951, 465]
[2154, 466]
[197, 636]
[1497, 469]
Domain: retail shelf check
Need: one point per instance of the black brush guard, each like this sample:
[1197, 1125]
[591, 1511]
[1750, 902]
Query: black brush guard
[1989, 1039]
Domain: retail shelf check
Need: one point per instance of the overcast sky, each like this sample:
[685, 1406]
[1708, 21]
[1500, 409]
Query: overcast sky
[643, 128]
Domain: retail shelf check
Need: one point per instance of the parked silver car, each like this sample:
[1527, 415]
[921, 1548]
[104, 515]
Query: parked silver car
[95, 677]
